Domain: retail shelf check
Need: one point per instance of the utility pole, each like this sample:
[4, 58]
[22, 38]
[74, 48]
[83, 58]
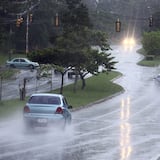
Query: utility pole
[10, 41]
[27, 30]
[30, 7]
[24, 7]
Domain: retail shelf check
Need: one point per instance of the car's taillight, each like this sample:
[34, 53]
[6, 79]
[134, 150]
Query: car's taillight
[26, 109]
[59, 110]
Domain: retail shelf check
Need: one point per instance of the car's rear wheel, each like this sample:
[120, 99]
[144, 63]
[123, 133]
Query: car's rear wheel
[31, 66]
[12, 66]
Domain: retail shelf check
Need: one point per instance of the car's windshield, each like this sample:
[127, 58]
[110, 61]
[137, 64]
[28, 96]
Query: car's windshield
[44, 100]
[27, 60]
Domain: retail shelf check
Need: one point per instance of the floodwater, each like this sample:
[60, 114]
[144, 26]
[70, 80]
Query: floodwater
[125, 127]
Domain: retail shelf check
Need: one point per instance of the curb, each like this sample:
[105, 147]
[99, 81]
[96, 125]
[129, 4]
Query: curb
[97, 102]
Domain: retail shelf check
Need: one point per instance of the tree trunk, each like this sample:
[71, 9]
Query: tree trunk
[83, 82]
[75, 82]
[62, 83]
[22, 90]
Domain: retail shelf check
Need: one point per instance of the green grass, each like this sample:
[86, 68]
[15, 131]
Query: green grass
[97, 87]
[148, 63]
[5, 57]
[10, 107]
[10, 72]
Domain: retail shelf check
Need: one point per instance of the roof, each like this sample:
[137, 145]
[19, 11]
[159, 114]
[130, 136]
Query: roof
[47, 94]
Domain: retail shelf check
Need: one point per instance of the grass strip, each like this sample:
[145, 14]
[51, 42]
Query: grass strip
[148, 63]
[97, 87]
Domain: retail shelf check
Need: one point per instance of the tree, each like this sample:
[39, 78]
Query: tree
[78, 39]
[156, 21]
[75, 17]
[57, 59]
[75, 22]
[5, 21]
[151, 42]
[42, 30]
[96, 60]
[4, 74]
[70, 52]
[13, 17]
[73, 48]
[96, 56]
[70, 45]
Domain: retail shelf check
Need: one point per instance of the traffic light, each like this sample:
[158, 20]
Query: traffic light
[118, 25]
[30, 17]
[19, 21]
[57, 20]
[150, 21]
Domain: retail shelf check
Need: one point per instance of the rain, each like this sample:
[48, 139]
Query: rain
[124, 126]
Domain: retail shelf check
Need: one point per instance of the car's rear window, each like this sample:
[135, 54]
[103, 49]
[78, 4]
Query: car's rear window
[44, 100]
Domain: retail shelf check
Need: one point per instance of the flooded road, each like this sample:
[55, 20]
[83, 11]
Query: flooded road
[125, 127]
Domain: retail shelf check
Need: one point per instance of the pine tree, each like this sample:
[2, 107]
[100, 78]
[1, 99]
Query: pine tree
[76, 16]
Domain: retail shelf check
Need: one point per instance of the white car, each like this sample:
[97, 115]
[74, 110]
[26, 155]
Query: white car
[22, 63]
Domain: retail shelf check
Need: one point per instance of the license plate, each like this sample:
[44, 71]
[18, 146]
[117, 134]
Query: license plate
[42, 120]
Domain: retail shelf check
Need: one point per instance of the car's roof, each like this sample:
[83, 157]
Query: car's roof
[47, 94]
[21, 58]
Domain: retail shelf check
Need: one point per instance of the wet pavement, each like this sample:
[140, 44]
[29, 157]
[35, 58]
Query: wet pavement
[125, 127]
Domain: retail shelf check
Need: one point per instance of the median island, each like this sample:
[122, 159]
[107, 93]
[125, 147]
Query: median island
[97, 88]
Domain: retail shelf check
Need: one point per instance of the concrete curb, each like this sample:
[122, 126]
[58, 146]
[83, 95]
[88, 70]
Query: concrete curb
[98, 101]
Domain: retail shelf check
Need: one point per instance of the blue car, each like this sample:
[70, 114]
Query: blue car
[23, 63]
[43, 109]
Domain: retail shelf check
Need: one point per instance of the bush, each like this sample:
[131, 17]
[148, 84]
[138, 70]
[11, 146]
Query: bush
[151, 43]
[150, 57]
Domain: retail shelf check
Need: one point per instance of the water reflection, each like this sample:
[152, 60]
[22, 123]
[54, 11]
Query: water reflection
[128, 48]
[125, 129]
